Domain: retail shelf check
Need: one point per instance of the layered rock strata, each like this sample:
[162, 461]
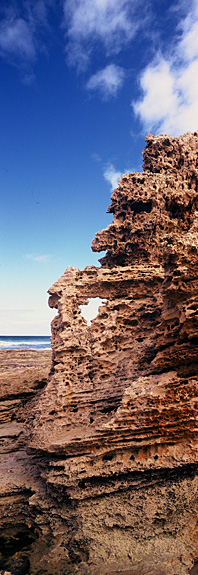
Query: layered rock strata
[23, 374]
[113, 434]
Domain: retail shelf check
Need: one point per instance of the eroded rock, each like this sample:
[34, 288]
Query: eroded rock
[112, 437]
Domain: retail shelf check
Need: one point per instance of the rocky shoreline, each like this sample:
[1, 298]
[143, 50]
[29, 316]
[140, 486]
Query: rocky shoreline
[23, 374]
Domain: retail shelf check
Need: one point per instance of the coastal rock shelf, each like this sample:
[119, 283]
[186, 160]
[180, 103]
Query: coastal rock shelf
[23, 374]
[109, 450]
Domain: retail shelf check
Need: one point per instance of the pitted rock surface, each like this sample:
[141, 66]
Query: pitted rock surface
[112, 437]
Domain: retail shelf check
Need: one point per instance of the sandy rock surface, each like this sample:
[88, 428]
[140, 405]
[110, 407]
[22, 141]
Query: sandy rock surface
[23, 374]
[103, 457]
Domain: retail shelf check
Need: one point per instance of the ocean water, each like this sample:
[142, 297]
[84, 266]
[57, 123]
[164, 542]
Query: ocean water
[25, 342]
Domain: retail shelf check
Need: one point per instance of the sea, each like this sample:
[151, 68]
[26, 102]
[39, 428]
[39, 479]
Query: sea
[25, 342]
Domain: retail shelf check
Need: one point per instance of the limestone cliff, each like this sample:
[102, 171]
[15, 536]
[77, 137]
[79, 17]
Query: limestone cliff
[112, 438]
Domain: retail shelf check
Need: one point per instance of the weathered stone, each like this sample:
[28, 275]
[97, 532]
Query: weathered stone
[112, 437]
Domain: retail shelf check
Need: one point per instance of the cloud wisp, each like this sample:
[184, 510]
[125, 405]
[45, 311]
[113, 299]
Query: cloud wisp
[169, 100]
[16, 38]
[105, 28]
[108, 23]
[22, 30]
[89, 27]
[107, 81]
[43, 258]
[111, 175]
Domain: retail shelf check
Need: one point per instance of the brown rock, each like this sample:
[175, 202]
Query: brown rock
[22, 376]
[112, 438]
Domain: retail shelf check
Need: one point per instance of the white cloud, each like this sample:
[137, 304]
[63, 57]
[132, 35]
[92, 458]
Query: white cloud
[107, 81]
[169, 85]
[112, 175]
[22, 30]
[88, 25]
[160, 100]
[112, 23]
[16, 38]
[189, 26]
[43, 258]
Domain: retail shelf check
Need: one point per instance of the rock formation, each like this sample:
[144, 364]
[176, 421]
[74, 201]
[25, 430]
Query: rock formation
[22, 376]
[112, 438]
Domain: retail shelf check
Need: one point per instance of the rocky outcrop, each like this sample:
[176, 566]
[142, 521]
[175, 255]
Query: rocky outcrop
[22, 376]
[113, 435]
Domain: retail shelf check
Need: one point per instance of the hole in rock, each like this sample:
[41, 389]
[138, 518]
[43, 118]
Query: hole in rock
[193, 307]
[108, 409]
[193, 340]
[139, 206]
[90, 310]
[40, 384]
[108, 457]
[194, 570]
[15, 539]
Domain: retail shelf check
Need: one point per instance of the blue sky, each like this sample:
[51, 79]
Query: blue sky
[82, 82]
